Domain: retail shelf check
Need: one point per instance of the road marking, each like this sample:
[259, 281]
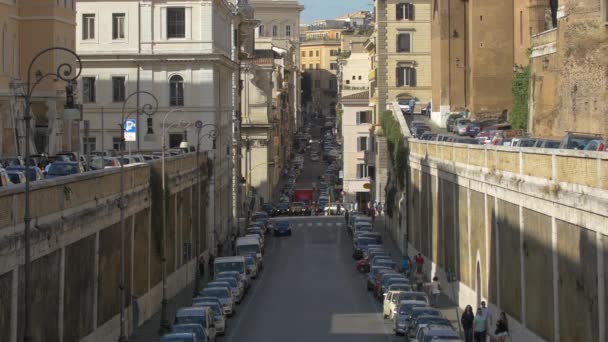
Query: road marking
[339, 224]
[309, 224]
[319, 224]
[300, 224]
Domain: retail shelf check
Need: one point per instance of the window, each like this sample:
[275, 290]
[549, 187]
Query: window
[521, 28]
[347, 81]
[118, 88]
[359, 77]
[333, 53]
[404, 42]
[118, 26]
[275, 31]
[310, 53]
[604, 9]
[361, 144]
[88, 26]
[364, 117]
[361, 171]
[303, 53]
[88, 89]
[317, 66]
[89, 144]
[176, 22]
[176, 92]
[116, 143]
[288, 30]
[333, 66]
[303, 66]
[175, 139]
[261, 31]
[405, 11]
[317, 83]
[354, 78]
[317, 53]
[406, 77]
[309, 66]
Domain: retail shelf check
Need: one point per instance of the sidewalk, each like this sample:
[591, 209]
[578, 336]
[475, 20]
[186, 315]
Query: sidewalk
[447, 307]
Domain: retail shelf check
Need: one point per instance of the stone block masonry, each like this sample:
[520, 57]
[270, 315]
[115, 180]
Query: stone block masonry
[524, 229]
[75, 246]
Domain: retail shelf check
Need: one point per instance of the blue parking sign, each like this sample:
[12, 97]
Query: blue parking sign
[130, 130]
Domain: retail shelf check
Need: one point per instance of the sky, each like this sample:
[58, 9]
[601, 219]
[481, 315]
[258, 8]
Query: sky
[329, 9]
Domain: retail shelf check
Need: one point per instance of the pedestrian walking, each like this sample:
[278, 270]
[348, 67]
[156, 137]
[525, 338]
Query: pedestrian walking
[467, 323]
[419, 277]
[480, 324]
[201, 266]
[435, 287]
[233, 243]
[405, 265]
[502, 327]
[419, 259]
[486, 312]
[346, 217]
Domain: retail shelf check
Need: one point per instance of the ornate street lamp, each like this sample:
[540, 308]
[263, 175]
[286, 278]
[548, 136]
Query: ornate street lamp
[148, 109]
[68, 73]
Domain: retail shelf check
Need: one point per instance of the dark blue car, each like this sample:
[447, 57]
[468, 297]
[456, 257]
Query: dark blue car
[282, 228]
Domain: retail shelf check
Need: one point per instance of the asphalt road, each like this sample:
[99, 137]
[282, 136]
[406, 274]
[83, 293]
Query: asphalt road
[309, 291]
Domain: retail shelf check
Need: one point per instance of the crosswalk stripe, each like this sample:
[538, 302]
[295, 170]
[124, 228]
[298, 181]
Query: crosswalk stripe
[309, 224]
[300, 224]
[339, 224]
[319, 224]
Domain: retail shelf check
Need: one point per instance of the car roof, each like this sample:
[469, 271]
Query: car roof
[228, 259]
[188, 311]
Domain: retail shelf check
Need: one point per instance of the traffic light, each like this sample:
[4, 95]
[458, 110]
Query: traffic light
[69, 96]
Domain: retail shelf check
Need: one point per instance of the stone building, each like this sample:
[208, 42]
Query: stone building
[475, 47]
[22, 36]
[569, 68]
[187, 56]
[319, 59]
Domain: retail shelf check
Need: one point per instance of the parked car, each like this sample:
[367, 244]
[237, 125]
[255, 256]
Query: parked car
[282, 228]
[405, 106]
[219, 319]
[596, 145]
[419, 130]
[197, 315]
[473, 129]
[5, 180]
[179, 337]
[460, 126]
[577, 140]
[16, 177]
[402, 313]
[449, 121]
[99, 163]
[193, 328]
[34, 172]
[11, 161]
[60, 169]
[524, 142]
[547, 143]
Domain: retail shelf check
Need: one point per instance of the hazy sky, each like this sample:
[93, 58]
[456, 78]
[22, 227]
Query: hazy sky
[329, 9]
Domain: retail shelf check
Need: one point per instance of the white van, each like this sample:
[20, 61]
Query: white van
[249, 245]
[233, 263]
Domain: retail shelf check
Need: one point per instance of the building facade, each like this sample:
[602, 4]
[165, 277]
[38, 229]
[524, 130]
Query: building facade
[26, 28]
[568, 87]
[476, 47]
[319, 60]
[183, 53]
[358, 145]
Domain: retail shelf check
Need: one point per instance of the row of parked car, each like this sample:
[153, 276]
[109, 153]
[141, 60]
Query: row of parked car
[12, 169]
[210, 310]
[408, 308]
[495, 132]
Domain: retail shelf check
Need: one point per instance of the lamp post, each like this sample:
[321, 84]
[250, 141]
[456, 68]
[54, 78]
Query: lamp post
[451, 280]
[164, 321]
[149, 110]
[212, 134]
[67, 73]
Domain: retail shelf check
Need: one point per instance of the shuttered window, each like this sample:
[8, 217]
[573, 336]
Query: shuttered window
[406, 77]
[405, 11]
[404, 41]
[364, 117]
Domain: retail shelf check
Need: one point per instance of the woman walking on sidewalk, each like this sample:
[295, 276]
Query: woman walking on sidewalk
[467, 323]
[502, 328]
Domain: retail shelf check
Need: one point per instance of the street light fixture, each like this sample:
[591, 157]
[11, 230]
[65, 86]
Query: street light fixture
[164, 321]
[148, 109]
[67, 73]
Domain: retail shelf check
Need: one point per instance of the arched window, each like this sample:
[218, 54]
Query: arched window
[176, 85]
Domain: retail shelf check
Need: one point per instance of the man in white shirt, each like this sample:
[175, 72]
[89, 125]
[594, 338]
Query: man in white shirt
[435, 289]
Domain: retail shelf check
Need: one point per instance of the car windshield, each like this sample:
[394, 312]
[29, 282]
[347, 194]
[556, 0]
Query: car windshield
[59, 169]
[238, 266]
[365, 242]
[216, 292]
[247, 249]
[527, 143]
[217, 310]
[231, 281]
[200, 319]
[250, 261]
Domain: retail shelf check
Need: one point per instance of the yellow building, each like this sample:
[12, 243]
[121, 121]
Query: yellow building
[319, 62]
[26, 28]
[402, 52]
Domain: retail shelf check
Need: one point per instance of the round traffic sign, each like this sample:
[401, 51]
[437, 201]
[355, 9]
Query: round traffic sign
[198, 124]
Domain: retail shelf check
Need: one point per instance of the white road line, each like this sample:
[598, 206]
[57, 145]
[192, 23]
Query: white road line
[300, 224]
[339, 224]
[319, 224]
[309, 224]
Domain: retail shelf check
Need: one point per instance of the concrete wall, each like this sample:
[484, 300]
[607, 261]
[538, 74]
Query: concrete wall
[525, 230]
[75, 239]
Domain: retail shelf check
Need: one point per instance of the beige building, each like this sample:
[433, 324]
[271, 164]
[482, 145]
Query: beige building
[319, 60]
[568, 83]
[475, 48]
[359, 166]
[27, 27]
[353, 72]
